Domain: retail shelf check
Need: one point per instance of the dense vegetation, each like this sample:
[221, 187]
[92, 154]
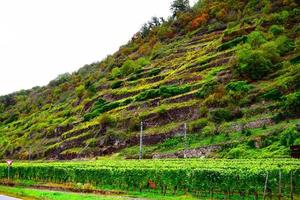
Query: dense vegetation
[229, 69]
[228, 177]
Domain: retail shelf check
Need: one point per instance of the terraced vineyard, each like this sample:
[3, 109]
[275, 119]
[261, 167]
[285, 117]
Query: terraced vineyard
[243, 178]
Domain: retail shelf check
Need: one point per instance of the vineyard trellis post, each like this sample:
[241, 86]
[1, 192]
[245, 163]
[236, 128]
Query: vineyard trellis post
[265, 189]
[185, 141]
[292, 186]
[279, 186]
[141, 142]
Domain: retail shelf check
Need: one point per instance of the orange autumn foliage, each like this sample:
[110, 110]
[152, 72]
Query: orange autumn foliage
[199, 20]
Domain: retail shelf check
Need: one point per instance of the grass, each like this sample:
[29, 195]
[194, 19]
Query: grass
[32, 194]
[51, 195]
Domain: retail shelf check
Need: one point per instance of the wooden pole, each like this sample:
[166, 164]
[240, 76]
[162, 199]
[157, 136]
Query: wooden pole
[185, 141]
[141, 142]
[292, 187]
[265, 189]
[279, 186]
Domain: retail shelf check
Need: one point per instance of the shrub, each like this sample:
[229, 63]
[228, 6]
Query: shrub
[168, 91]
[116, 72]
[80, 90]
[270, 51]
[198, 124]
[143, 62]
[148, 94]
[128, 67]
[281, 17]
[154, 72]
[273, 94]
[285, 45]
[206, 89]
[288, 136]
[253, 64]
[256, 38]
[134, 77]
[276, 30]
[107, 120]
[295, 60]
[116, 84]
[246, 132]
[99, 103]
[291, 103]
[238, 86]
[221, 114]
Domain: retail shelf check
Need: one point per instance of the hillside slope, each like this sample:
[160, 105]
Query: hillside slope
[229, 69]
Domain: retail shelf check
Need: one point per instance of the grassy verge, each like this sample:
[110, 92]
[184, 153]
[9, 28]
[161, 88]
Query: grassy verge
[33, 194]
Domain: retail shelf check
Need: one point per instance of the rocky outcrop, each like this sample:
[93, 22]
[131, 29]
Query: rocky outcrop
[250, 125]
[201, 152]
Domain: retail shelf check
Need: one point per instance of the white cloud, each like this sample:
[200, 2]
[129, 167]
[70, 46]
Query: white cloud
[40, 39]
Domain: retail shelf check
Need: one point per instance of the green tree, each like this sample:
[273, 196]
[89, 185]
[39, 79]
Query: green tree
[129, 67]
[179, 6]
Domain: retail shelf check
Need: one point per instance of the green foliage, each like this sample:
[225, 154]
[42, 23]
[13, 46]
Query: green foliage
[276, 30]
[171, 175]
[253, 64]
[143, 62]
[291, 103]
[80, 90]
[273, 94]
[179, 6]
[172, 90]
[238, 86]
[256, 38]
[107, 120]
[154, 72]
[198, 124]
[116, 84]
[220, 115]
[129, 67]
[295, 60]
[281, 17]
[148, 94]
[62, 78]
[288, 136]
[285, 45]
[206, 89]
[232, 43]
[116, 72]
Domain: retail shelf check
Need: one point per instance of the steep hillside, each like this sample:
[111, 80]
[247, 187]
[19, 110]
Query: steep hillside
[229, 69]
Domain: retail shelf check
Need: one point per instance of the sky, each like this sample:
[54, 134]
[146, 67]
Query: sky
[40, 39]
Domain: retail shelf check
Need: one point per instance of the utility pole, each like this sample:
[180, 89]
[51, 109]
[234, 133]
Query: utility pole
[185, 141]
[141, 142]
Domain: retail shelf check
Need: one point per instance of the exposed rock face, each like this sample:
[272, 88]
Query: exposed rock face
[254, 124]
[191, 153]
